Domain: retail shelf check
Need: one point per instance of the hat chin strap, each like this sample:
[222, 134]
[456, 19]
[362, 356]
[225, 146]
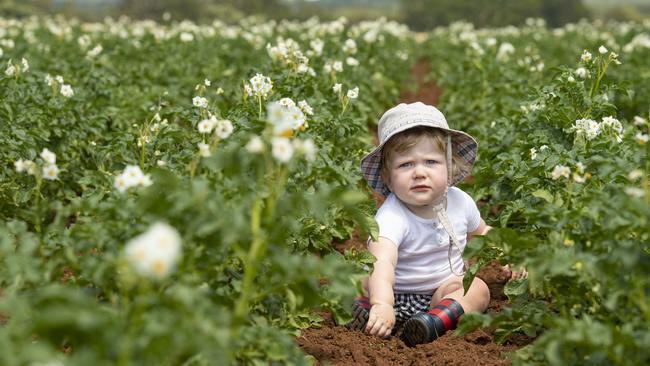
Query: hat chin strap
[440, 209]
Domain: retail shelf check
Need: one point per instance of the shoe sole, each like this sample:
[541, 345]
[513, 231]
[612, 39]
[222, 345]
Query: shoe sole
[415, 332]
[359, 318]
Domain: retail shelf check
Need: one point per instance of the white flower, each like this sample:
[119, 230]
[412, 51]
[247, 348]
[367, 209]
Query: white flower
[219, 91]
[66, 90]
[282, 149]
[25, 65]
[50, 172]
[641, 138]
[11, 70]
[206, 125]
[586, 56]
[317, 45]
[589, 127]
[284, 119]
[255, 145]
[352, 61]
[571, 79]
[505, 50]
[200, 102]
[161, 163]
[27, 166]
[612, 123]
[186, 37]
[84, 41]
[121, 183]
[224, 128]
[155, 252]
[206, 82]
[95, 51]
[602, 50]
[132, 177]
[639, 121]
[580, 167]
[582, 73]
[132, 174]
[353, 93]
[306, 147]
[204, 149]
[260, 85]
[337, 88]
[20, 165]
[560, 171]
[635, 192]
[533, 153]
[48, 156]
[287, 102]
[350, 46]
[578, 178]
[635, 174]
[305, 108]
[145, 180]
[337, 66]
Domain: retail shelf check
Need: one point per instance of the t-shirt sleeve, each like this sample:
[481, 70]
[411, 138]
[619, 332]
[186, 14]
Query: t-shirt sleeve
[391, 224]
[472, 212]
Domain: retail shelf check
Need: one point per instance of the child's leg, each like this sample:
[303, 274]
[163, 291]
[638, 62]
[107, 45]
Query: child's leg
[448, 303]
[477, 297]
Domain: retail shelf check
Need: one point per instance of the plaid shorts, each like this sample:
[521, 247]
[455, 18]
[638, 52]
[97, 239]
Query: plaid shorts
[407, 305]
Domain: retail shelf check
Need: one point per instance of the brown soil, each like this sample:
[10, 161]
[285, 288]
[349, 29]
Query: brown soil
[335, 345]
[421, 89]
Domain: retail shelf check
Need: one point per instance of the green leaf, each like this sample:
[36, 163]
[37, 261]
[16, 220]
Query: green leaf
[543, 194]
[515, 288]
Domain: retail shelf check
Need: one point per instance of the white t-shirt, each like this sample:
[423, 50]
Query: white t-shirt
[423, 244]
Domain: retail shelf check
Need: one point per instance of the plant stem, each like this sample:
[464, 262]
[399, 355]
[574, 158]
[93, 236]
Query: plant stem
[258, 246]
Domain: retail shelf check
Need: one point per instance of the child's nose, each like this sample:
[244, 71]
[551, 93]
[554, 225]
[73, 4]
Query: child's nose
[418, 171]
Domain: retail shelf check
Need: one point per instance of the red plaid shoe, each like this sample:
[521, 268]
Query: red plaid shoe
[360, 312]
[427, 327]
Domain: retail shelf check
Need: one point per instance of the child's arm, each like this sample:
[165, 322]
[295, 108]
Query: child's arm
[381, 282]
[482, 229]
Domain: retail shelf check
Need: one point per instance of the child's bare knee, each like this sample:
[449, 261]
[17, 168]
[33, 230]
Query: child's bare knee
[482, 291]
[365, 284]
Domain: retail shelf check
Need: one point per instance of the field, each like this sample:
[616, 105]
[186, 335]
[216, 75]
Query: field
[180, 194]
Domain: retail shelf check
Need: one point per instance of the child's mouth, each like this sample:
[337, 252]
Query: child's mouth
[420, 188]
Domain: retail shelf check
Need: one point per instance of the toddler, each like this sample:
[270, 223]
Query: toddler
[424, 224]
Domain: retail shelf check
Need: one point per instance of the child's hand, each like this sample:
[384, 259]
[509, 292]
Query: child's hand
[381, 320]
[516, 275]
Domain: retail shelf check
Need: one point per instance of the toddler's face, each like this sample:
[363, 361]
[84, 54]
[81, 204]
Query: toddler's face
[418, 176]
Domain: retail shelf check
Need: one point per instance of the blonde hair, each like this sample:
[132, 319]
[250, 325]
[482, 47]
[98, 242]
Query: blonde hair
[405, 140]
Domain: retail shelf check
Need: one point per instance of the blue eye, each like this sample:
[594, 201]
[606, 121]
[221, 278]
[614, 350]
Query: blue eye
[432, 162]
[405, 165]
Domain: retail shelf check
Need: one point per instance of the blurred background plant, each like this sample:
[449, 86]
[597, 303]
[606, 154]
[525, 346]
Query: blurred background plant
[419, 15]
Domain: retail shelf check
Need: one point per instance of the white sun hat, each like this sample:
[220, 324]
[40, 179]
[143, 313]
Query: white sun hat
[405, 116]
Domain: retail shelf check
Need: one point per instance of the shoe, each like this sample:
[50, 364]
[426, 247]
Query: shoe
[360, 313]
[427, 327]
[421, 328]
